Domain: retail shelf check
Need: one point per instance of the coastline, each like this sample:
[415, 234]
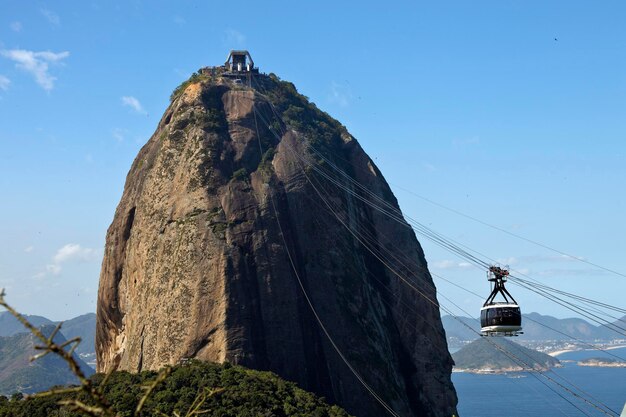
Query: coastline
[602, 365]
[502, 371]
[560, 352]
[574, 349]
[613, 347]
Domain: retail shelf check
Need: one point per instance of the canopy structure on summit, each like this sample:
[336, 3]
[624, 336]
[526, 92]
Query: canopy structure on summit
[237, 61]
[500, 318]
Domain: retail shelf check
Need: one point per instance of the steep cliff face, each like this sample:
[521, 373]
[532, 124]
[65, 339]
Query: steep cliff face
[195, 264]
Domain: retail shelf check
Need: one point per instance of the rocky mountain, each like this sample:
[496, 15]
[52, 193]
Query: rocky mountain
[486, 354]
[225, 219]
[19, 374]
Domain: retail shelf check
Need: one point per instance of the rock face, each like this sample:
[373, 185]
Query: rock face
[224, 209]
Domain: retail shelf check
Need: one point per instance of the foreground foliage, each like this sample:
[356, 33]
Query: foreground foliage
[210, 389]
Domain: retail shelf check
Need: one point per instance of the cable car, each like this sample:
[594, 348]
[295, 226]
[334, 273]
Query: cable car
[500, 318]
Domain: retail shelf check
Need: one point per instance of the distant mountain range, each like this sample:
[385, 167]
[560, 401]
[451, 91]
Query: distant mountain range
[16, 345]
[19, 374]
[536, 327]
[10, 326]
[83, 326]
[487, 355]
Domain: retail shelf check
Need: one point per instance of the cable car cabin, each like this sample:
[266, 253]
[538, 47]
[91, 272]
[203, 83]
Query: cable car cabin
[500, 318]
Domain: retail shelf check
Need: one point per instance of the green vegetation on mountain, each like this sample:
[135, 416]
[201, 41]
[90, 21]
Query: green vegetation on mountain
[488, 354]
[299, 113]
[236, 392]
[603, 362]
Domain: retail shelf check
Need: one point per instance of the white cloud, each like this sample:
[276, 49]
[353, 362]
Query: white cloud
[511, 260]
[4, 83]
[6, 284]
[16, 26]
[429, 167]
[533, 259]
[446, 264]
[119, 134]
[29, 249]
[53, 269]
[474, 140]
[560, 272]
[563, 258]
[233, 37]
[340, 94]
[179, 20]
[52, 17]
[36, 63]
[72, 252]
[133, 103]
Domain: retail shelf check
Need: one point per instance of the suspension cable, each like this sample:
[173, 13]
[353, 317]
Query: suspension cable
[310, 303]
[399, 275]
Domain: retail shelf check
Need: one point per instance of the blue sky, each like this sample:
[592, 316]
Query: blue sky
[512, 112]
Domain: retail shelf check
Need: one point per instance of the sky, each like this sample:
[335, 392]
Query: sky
[512, 112]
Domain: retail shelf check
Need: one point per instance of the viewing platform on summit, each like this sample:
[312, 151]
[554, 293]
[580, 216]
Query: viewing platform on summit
[237, 62]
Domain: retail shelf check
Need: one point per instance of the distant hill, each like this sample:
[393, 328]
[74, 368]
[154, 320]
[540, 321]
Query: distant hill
[243, 393]
[19, 374]
[83, 326]
[459, 330]
[536, 327]
[484, 354]
[610, 333]
[10, 326]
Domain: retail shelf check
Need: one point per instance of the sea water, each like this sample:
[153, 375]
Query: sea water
[530, 395]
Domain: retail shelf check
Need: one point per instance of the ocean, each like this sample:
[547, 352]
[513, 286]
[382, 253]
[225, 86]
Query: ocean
[523, 395]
